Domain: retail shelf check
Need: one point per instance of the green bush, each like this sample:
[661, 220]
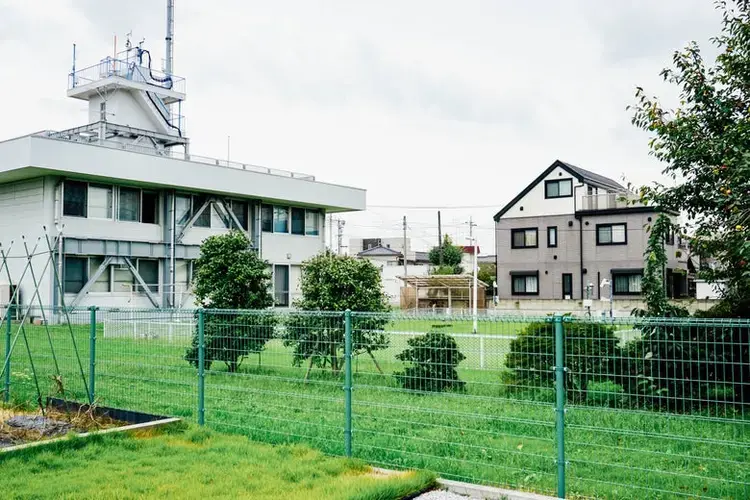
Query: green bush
[605, 393]
[229, 337]
[431, 361]
[590, 353]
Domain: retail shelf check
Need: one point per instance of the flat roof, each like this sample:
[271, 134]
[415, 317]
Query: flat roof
[34, 155]
[442, 281]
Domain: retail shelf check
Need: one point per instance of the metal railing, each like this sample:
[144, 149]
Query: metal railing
[608, 201]
[120, 68]
[624, 408]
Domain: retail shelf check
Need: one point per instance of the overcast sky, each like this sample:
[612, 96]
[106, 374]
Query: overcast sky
[427, 103]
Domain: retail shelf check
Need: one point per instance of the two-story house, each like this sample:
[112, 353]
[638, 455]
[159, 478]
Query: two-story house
[131, 205]
[569, 230]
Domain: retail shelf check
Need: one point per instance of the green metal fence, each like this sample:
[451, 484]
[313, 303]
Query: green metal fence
[576, 407]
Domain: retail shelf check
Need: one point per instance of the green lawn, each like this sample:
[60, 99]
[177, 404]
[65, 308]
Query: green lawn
[487, 435]
[193, 463]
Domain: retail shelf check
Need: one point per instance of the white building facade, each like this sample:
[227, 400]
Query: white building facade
[126, 205]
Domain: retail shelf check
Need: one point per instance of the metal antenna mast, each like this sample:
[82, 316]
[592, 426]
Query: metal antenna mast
[170, 36]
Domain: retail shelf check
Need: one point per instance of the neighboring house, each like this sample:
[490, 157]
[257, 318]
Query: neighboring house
[467, 259]
[133, 205]
[390, 261]
[570, 228]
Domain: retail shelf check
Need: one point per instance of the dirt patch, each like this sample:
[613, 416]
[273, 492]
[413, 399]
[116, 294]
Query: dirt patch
[18, 426]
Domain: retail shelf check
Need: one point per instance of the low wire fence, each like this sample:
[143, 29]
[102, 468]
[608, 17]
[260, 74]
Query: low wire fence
[583, 407]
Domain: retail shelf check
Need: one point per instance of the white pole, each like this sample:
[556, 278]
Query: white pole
[474, 306]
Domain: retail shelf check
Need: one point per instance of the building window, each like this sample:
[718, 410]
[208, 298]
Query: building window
[525, 283]
[239, 209]
[122, 280]
[670, 237]
[298, 221]
[369, 243]
[552, 236]
[149, 207]
[74, 274]
[266, 218]
[590, 190]
[99, 204]
[102, 284]
[524, 238]
[149, 271]
[75, 198]
[280, 219]
[627, 283]
[312, 224]
[204, 219]
[562, 188]
[611, 234]
[129, 205]
[281, 285]
[182, 209]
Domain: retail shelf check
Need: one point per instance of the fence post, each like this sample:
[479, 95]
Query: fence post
[201, 368]
[6, 368]
[92, 354]
[560, 403]
[348, 382]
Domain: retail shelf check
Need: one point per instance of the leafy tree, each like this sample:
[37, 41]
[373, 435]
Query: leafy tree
[704, 144]
[487, 274]
[231, 279]
[451, 259]
[431, 360]
[330, 285]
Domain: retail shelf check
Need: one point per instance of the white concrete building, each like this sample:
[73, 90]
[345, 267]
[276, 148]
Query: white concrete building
[132, 204]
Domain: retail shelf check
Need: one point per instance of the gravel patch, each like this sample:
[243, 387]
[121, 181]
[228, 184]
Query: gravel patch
[442, 495]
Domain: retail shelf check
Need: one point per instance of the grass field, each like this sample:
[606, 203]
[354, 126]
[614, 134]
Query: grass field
[193, 463]
[487, 434]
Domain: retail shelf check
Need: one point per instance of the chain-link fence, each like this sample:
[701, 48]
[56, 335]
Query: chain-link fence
[624, 408]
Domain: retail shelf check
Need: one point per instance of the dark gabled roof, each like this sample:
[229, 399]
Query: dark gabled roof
[379, 251]
[421, 257]
[581, 174]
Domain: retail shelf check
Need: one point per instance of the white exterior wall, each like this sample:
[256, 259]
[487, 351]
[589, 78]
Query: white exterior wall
[392, 284]
[710, 291]
[123, 109]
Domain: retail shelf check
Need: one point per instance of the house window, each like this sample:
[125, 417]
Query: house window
[149, 207]
[670, 237]
[99, 204]
[130, 205]
[280, 219]
[312, 224]
[552, 236]
[298, 221]
[611, 234]
[627, 283]
[562, 188]
[524, 238]
[239, 209]
[149, 271]
[102, 284]
[266, 218]
[75, 198]
[74, 274]
[281, 285]
[590, 190]
[525, 283]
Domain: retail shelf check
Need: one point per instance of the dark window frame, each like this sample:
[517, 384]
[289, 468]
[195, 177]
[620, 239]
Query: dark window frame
[570, 277]
[524, 275]
[299, 230]
[547, 183]
[513, 232]
[266, 218]
[599, 243]
[84, 263]
[67, 212]
[286, 293]
[153, 287]
[551, 229]
[627, 274]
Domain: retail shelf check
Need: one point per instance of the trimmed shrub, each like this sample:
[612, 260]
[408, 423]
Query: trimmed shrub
[431, 361]
[590, 353]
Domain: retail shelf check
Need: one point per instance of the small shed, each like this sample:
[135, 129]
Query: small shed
[441, 291]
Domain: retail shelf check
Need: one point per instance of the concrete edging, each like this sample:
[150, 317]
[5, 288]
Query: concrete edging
[488, 492]
[126, 428]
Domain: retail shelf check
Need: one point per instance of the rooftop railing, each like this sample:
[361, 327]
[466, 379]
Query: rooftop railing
[128, 69]
[609, 201]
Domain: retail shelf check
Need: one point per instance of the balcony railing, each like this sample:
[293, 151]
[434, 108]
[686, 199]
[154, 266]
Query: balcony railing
[608, 201]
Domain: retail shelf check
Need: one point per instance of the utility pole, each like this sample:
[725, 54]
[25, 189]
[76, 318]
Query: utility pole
[405, 255]
[340, 236]
[440, 240]
[476, 281]
[330, 232]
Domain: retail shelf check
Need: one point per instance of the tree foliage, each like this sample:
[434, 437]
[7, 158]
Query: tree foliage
[431, 363]
[487, 274]
[330, 285]
[231, 279]
[705, 145]
[451, 258]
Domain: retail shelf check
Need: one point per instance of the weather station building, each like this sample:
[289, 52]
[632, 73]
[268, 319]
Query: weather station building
[127, 204]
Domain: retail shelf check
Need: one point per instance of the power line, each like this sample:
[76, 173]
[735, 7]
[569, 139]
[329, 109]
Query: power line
[434, 207]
